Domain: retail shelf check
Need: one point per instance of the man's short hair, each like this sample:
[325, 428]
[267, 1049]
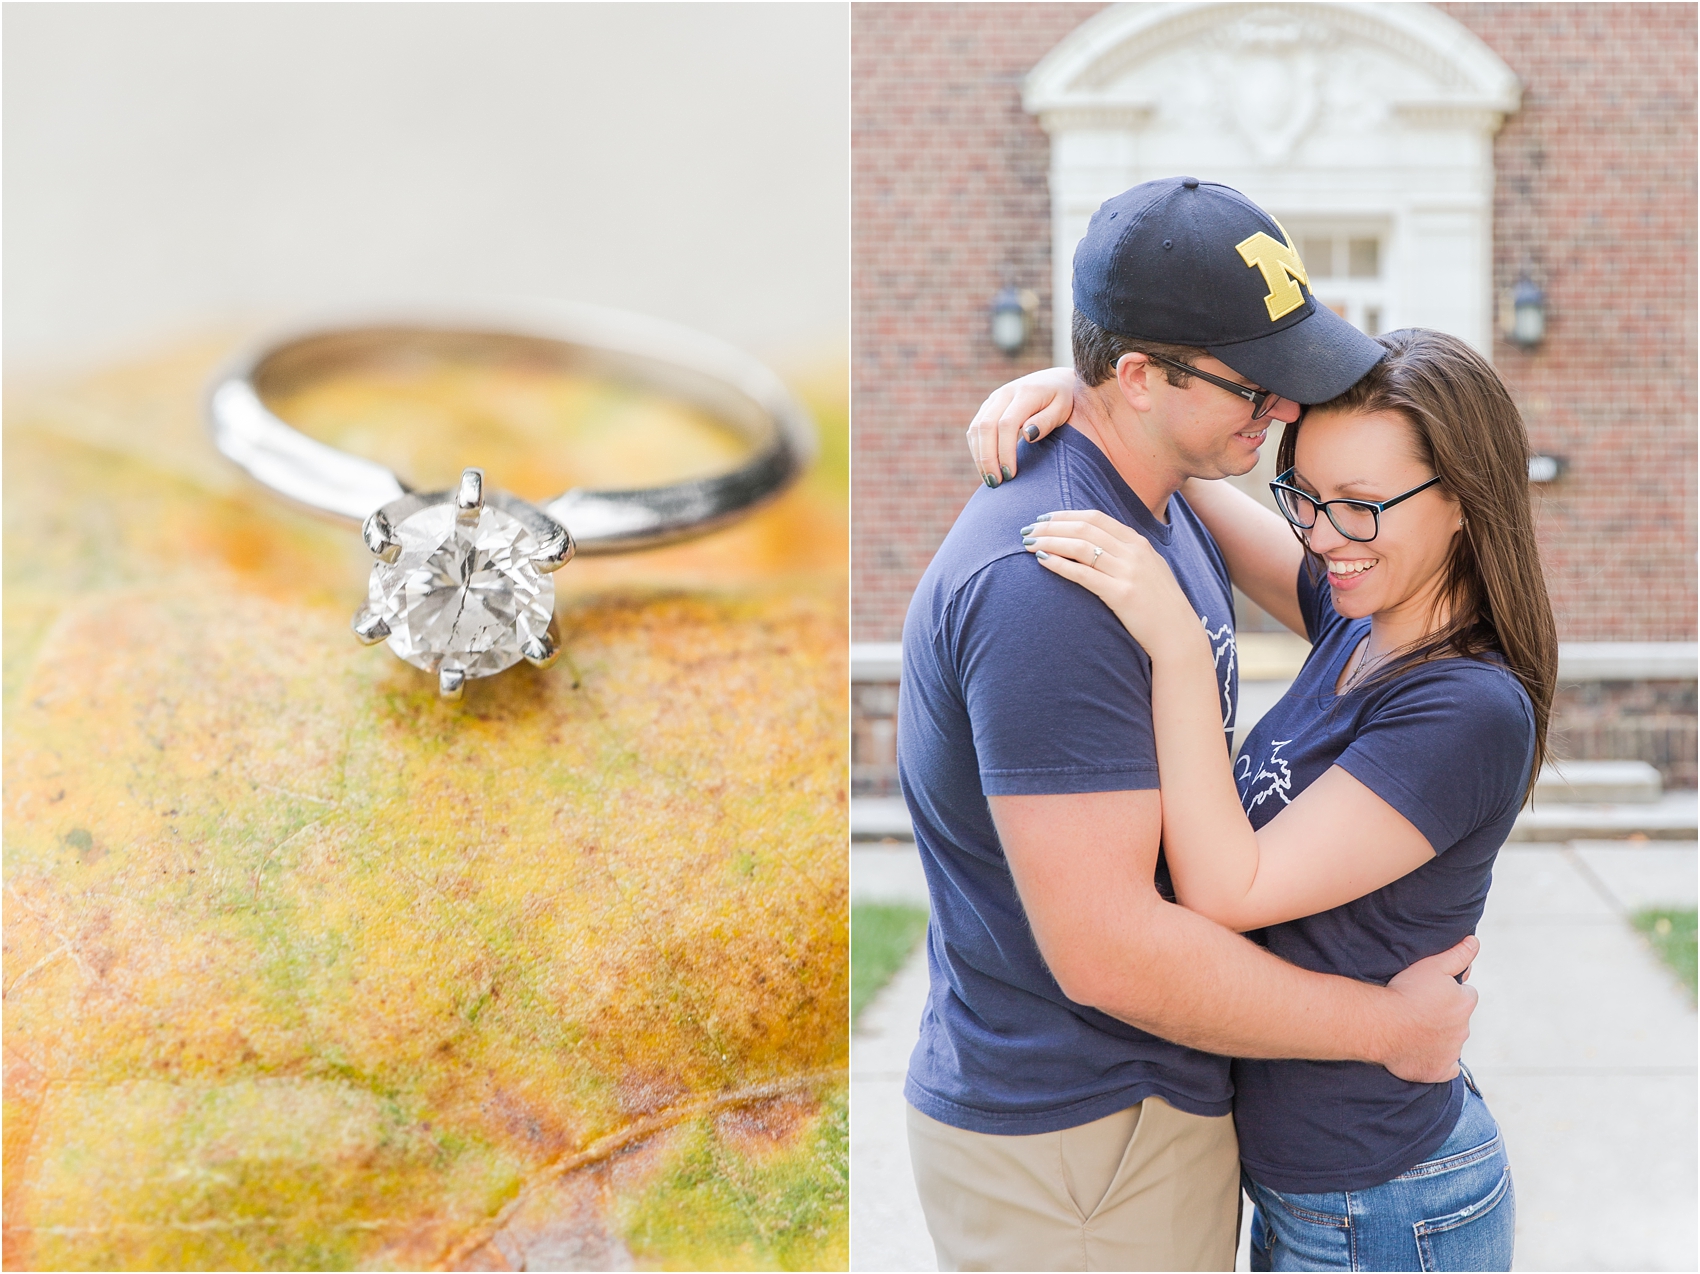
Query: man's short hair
[1097, 350]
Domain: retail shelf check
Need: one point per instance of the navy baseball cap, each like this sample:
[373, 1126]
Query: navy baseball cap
[1189, 262]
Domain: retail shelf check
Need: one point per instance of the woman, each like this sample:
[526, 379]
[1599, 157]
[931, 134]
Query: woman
[1357, 830]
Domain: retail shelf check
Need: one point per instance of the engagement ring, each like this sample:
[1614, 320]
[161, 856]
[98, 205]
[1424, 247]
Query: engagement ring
[461, 586]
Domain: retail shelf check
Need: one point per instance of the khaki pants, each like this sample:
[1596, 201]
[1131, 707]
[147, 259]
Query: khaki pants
[1147, 1188]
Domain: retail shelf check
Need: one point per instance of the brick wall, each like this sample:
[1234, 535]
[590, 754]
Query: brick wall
[949, 204]
[1651, 721]
[1596, 199]
[873, 739]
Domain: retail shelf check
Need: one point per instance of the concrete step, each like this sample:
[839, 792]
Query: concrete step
[879, 818]
[1673, 816]
[1670, 816]
[889, 872]
[1598, 783]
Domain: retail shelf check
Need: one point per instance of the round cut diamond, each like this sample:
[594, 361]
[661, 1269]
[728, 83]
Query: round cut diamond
[462, 596]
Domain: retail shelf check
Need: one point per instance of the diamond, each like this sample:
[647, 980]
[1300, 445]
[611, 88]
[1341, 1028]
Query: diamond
[462, 595]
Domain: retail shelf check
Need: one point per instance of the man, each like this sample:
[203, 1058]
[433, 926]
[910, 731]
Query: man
[1069, 1096]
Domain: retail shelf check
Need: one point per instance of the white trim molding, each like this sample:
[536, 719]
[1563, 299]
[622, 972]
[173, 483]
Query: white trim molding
[882, 661]
[1627, 661]
[1316, 111]
[875, 661]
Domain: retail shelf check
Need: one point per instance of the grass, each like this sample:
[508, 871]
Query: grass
[1671, 931]
[881, 937]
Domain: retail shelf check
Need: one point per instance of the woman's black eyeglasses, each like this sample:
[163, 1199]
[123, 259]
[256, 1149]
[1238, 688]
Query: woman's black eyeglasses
[1261, 400]
[1358, 520]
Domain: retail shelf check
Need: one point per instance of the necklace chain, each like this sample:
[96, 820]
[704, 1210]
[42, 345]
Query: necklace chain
[1355, 677]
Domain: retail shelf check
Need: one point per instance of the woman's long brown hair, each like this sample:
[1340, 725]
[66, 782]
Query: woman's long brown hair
[1467, 429]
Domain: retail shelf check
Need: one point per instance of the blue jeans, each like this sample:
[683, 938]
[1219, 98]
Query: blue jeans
[1452, 1212]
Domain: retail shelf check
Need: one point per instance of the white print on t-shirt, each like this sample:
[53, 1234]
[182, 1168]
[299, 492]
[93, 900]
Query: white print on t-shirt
[1279, 783]
[1222, 645]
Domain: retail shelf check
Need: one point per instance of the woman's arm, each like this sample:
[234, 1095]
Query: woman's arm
[1336, 842]
[1263, 556]
[1029, 407]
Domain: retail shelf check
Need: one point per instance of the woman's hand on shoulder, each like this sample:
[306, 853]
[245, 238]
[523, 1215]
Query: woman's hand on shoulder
[1029, 407]
[1119, 565]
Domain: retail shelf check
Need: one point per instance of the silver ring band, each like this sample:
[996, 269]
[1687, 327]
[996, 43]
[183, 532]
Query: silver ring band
[1096, 554]
[460, 586]
[652, 353]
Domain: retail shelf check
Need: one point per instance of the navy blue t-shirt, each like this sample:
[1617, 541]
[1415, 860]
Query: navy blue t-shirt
[1448, 744]
[1016, 682]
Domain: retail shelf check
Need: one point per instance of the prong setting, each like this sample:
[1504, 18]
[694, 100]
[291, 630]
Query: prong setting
[380, 537]
[543, 650]
[556, 553]
[465, 592]
[370, 627]
[469, 497]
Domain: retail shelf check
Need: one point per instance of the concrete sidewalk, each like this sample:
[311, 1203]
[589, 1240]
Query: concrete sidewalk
[1584, 1045]
[887, 1231]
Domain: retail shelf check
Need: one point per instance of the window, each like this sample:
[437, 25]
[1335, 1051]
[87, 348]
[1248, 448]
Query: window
[1347, 267]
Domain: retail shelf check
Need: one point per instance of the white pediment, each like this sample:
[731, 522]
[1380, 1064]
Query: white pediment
[1384, 113]
[1275, 82]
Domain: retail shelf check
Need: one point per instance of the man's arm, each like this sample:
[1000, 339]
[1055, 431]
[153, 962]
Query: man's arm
[1084, 865]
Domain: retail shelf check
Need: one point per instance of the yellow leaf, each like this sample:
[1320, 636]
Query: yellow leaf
[304, 967]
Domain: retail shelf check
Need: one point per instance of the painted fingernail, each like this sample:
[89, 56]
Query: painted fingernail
[1043, 517]
[1041, 555]
[1027, 539]
[1030, 432]
[1007, 475]
[1028, 529]
[990, 481]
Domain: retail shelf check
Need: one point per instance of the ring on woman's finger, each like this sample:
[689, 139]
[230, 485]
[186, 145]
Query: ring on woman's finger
[1096, 554]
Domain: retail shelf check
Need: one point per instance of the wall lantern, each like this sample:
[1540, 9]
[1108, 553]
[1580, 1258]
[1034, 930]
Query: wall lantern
[1547, 468]
[1012, 319]
[1528, 317]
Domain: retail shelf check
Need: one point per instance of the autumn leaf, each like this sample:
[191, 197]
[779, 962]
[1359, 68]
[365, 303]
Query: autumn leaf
[306, 968]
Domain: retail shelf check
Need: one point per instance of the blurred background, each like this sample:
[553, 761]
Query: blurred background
[669, 811]
[1522, 175]
[174, 167]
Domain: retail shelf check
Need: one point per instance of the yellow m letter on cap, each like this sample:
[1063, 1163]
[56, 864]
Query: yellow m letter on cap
[1281, 266]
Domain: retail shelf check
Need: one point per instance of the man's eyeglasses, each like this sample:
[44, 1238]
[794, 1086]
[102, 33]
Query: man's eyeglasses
[1358, 520]
[1261, 400]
